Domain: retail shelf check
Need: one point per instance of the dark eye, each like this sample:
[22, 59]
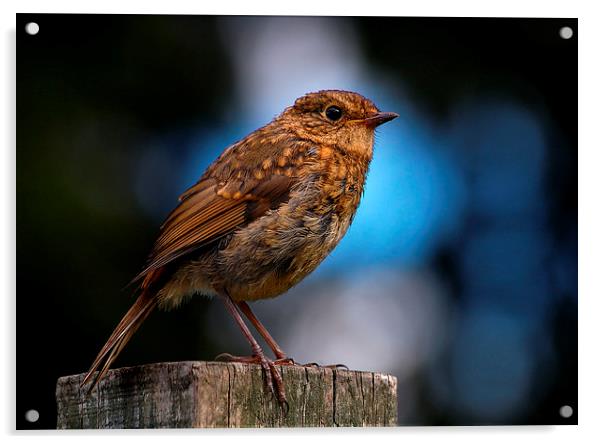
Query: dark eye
[334, 113]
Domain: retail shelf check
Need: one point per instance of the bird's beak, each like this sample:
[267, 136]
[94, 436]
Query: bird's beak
[379, 118]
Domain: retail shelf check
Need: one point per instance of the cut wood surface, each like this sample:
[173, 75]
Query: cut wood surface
[216, 394]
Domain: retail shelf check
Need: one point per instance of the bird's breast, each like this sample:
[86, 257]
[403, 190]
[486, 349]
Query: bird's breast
[276, 251]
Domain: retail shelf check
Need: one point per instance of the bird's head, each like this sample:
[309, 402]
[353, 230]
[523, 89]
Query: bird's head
[333, 117]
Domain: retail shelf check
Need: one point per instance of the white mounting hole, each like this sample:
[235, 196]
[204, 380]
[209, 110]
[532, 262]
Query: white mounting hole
[566, 411]
[566, 32]
[32, 28]
[32, 415]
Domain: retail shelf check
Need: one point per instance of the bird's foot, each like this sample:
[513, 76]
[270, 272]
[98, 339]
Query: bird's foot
[285, 360]
[330, 366]
[273, 379]
[227, 357]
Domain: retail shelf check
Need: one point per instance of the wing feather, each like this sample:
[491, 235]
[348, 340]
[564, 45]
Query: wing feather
[205, 216]
[240, 186]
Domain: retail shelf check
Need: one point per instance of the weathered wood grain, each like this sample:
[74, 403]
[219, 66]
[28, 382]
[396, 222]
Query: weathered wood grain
[216, 394]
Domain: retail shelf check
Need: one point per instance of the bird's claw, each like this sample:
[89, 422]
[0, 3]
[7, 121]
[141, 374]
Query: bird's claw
[273, 379]
[330, 366]
[274, 382]
[312, 364]
[337, 366]
[285, 407]
[285, 361]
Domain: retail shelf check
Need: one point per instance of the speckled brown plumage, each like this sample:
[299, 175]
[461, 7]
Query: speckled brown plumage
[262, 217]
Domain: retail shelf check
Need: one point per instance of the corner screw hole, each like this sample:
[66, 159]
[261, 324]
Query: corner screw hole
[32, 28]
[32, 415]
[566, 411]
[566, 32]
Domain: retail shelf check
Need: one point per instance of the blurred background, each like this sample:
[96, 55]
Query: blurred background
[459, 274]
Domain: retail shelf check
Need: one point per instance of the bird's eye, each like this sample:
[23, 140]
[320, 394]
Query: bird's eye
[334, 113]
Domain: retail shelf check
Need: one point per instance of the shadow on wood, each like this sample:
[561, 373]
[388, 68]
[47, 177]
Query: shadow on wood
[215, 394]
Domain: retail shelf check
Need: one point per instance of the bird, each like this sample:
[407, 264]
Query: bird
[262, 217]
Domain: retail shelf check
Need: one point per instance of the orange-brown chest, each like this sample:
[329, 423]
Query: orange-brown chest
[279, 249]
[342, 181]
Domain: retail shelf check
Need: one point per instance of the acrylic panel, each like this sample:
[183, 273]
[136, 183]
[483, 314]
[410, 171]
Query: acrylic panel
[458, 275]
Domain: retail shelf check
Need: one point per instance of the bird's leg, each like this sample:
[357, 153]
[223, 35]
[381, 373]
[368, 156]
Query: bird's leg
[281, 357]
[273, 378]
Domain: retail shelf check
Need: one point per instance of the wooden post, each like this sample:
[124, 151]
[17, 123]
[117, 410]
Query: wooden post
[216, 394]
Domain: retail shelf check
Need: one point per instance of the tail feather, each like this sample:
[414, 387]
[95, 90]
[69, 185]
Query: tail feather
[126, 328]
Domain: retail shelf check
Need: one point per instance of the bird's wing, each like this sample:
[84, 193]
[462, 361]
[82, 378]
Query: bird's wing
[234, 191]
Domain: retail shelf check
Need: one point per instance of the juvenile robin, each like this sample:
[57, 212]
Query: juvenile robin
[260, 219]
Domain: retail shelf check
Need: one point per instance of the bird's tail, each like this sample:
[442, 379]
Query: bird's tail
[126, 328]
